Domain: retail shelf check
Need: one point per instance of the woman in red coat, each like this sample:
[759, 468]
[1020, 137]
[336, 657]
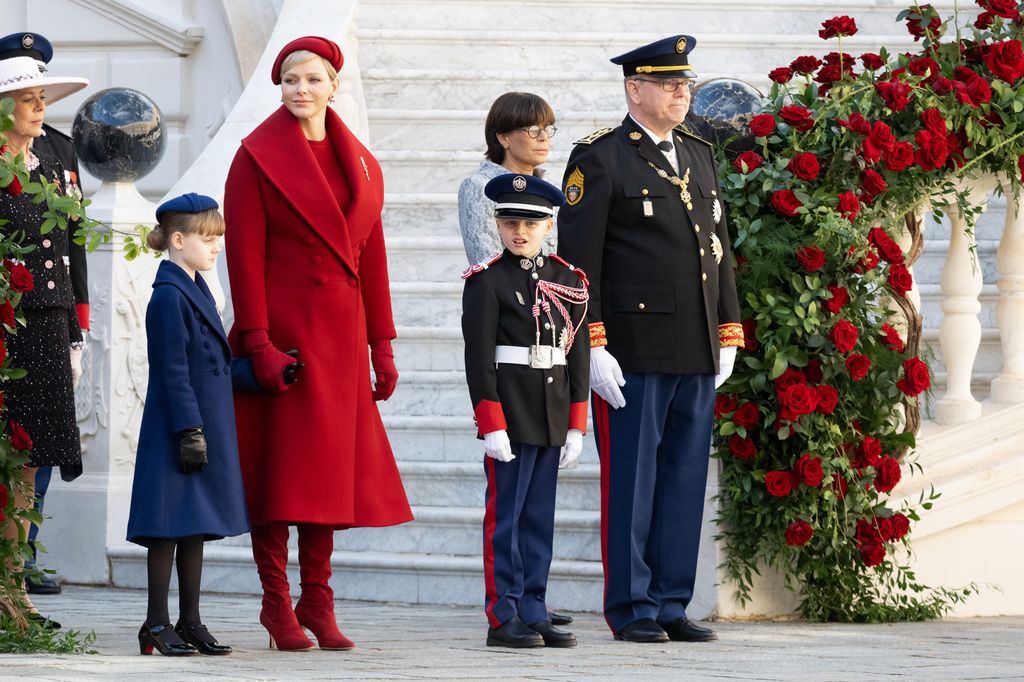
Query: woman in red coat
[308, 270]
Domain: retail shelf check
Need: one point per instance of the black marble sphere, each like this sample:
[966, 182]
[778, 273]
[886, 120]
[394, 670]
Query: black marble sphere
[119, 135]
[721, 108]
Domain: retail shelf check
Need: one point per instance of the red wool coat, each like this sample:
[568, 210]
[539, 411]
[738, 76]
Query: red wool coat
[317, 280]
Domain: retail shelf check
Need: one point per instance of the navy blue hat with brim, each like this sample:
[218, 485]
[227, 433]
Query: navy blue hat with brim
[666, 58]
[26, 44]
[523, 196]
[186, 203]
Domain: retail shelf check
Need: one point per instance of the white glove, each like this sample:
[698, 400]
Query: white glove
[497, 445]
[571, 450]
[76, 366]
[726, 360]
[606, 377]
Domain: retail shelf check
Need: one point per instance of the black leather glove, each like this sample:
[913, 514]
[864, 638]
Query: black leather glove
[291, 372]
[192, 450]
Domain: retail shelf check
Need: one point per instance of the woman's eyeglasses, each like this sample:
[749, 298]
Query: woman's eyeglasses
[535, 131]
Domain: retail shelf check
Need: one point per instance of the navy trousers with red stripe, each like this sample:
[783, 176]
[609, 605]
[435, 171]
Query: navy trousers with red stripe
[519, 525]
[654, 461]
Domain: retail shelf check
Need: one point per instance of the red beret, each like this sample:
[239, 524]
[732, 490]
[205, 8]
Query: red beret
[328, 49]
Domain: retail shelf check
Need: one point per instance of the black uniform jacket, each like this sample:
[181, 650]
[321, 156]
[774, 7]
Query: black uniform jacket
[659, 294]
[536, 406]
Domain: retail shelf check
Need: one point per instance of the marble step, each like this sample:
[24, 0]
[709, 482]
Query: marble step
[428, 303]
[443, 171]
[421, 214]
[429, 392]
[426, 259]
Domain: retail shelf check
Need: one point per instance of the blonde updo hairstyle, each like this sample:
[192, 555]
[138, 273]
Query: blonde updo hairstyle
[205, 223]
[303, 56]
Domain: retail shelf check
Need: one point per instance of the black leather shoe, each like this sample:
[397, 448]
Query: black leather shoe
[557, 618]
[47, 623]
[164, 639]
[513, 633]
[684, 630]
[198, 636]
[553, 637]
[43, 584]
[645, 631]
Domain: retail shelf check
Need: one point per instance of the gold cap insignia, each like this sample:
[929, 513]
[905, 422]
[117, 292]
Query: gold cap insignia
[681, 45]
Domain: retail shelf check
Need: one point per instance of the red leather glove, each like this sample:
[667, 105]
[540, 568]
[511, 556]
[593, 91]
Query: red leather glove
[384, 370]
[268, 363]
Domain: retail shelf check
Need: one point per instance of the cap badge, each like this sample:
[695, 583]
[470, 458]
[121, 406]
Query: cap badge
[574, 187]
[635, 136]
[519, 183]
[28, 40]
[681, 45]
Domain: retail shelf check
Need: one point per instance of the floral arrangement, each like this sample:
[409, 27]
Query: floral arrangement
[815, 426]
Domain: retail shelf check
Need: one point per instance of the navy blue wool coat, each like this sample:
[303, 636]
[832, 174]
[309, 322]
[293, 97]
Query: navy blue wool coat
[189, 385]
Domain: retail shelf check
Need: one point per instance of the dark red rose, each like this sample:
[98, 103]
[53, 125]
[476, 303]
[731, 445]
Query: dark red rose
[929, 23]
[837, 26]
[900, 525]
[896, 95]
[900, 279]
[791, 377]
[811, 258]
[858, 365]
[798, 533]
[840, 297]
[971, 89]
[828, 398]
[752, 160]
[899, 157]
[872, 183]
[871, 61]
[804, 166]
[797, 116]
[20, 440]
[857, 123]
[924, 66]
[840, 485]
[881, 135]
[887, 474]
[7, 314]
[778, 483]
[781, 75]
[888, 249]
[14, 188]
[809, 469]
[870, 451]
[1006, 60]
[21, 278]
[785, 202]
[916, 378]
[892, 338]
[933, 122]
[747, 415]
[798, 400]
[866, 262]
[872, 554]
[867, 533]
[725, 403]
[813, 370]
[984, 20]
[844, 335]
[1007, 9]
[762, 125]
[750, 335]
[742, 448]
[848, 205]
[805, 65]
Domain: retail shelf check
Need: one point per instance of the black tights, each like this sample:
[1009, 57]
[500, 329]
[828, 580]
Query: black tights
[190, 574]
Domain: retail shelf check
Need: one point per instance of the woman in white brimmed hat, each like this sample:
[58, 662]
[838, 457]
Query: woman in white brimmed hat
[42, 402]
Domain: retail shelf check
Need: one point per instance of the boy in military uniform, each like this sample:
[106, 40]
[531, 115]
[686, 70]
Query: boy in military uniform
[528, 380]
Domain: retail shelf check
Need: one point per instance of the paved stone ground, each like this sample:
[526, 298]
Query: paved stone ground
[398, 642]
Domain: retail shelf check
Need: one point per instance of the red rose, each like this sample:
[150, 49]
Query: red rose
[873, 184]
[21, 278]
[971, 89]
[858, 365]
[888, 249]
[872, 554]
[840, 297]
[797, 116]
[900, 525]
[848, 205]
[805, 65]
[810, 258]
[725, 403]
[778, 483]
[762, 125]
[915, 379]
[892, 338]
[932, 150]
[933, 122]
[791, 377]
[798, 533]
[887, 474]
[804, 166]
[866, 533]
[984, 20]
[896, 95]
[20, 440]
[750, 159]
[857, 123]
[837, 26]
[813, 370]
[899, 157]
[742, 448]
[840, 486]
[7, 314]
[881, 135]
[928, 23]
[809, 469]
[1006, 60]
[870, 451]
[924, 66]
[747, 416]
[797, 400]
[844, 335]
[828, 398]
[1007, 9]
[785, 202]
[14, 188]
[871, 61]
[750, 335]
[781, 75]
[900, 279]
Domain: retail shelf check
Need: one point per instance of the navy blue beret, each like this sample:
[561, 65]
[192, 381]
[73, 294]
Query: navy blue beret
[523, 196]
[26, 44]
[186, 203]
[665, 58]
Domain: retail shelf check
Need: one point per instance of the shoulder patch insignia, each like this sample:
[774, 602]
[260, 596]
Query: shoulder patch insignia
[481, 266]
[683, 130]
[579, 271]
[574, 187]
[594, 136]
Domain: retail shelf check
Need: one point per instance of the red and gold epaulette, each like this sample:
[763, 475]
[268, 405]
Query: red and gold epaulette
[579, 271]
[480, 267]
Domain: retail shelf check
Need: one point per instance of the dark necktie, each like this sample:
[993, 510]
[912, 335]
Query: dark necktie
[665, 146]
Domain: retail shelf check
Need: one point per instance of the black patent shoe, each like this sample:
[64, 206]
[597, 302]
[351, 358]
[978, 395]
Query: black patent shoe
[644, 631]
[43, 584]
[514, 634]
[557, 618]
[553, 637]
[198, 636]
[164, 639]
[39, 618]
[685, 630]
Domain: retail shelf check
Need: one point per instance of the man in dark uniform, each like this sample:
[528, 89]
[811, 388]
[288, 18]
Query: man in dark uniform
[61, 146]
[527, 372]
[644, 220]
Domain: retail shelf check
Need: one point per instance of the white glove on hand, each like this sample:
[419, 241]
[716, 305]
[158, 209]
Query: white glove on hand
[76, 366]
[606, 377]
[571, 450]
[726, 360]
[497, 446]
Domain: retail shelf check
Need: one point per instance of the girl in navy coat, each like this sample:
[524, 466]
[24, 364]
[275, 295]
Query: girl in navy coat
[188, 485]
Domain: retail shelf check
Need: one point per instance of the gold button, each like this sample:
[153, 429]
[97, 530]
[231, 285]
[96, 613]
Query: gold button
[644, 191]
[696, 228]
[704, 276]
[641, 306]
[702, 252]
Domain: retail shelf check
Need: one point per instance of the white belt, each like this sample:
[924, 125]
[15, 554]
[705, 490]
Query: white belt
[520, 355]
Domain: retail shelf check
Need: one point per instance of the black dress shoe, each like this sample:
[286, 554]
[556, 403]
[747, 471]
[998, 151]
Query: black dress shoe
[164, 639]
[513, 633]
[645, 631]
[39, 618]
[557, 618]
[684, 630]
[553, 637]
[43, 584]
[198, 636]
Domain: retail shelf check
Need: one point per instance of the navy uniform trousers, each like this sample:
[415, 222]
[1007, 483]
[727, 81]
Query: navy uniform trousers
[654, 462]
[519, 525]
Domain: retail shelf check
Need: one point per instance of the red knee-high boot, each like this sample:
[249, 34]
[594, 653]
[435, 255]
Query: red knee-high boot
[270, 550]
[315, 609]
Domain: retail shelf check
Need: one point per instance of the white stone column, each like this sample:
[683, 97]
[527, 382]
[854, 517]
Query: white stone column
[1008, 387]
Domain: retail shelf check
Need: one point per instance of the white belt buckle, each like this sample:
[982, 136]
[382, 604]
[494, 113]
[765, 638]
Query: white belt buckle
[541, 357]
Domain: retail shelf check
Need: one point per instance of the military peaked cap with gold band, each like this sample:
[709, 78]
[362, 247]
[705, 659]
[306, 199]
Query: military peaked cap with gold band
[665, 58]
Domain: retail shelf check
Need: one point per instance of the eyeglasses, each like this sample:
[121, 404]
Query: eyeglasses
[671, 85]
[535, 131]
